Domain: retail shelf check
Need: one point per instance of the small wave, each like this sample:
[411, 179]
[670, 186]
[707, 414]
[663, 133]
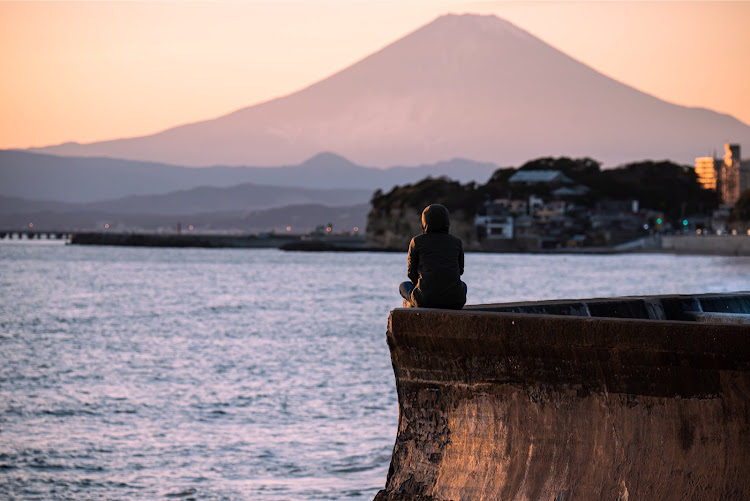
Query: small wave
[67, 412]
[352, 469]
[181, 494]
[125, 411]
[358, 464]
[44, 465]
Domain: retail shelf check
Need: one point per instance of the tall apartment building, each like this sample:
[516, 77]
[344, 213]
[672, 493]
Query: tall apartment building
[705, 169]
[729, 176]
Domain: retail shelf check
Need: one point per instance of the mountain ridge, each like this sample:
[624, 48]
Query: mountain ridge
[461, 86]
[64, 217]
[39, 176]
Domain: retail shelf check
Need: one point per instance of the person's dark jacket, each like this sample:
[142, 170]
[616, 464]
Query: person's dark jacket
[436, 263]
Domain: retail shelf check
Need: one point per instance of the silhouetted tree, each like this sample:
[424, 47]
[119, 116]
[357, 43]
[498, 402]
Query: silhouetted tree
[440, 190]
[664, 186]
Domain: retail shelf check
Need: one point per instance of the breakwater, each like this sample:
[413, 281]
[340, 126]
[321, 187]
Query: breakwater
[181, 240]
[611, 399]
[267, 240]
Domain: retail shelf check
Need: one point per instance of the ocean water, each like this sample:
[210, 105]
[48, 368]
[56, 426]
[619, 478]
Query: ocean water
[137, 373]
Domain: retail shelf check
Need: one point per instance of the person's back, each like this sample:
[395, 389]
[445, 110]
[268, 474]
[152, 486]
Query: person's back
[435, 264]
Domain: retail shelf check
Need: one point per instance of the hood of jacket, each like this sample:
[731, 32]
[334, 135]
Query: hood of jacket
[435, 219]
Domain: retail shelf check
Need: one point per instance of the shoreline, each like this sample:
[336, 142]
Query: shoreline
[679, 245]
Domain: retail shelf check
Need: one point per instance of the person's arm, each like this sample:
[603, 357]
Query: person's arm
[412, 263]
[460, 258]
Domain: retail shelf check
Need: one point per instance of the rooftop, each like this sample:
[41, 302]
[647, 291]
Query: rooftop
[539, 176]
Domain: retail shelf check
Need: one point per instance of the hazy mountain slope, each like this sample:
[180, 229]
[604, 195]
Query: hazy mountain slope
[462, 86]
[72, 217]
[300, 218]
[243, 197]
[77, 179]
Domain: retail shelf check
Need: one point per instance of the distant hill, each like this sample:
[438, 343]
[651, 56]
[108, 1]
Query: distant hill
[463, 86]
[665, 187]
[75, 179]
[15, 214]
[241, 198]
[300, 218]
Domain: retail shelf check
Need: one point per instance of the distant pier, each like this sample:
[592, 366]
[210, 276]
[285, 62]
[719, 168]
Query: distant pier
[214, 241]
[182, 240]
[34, 235]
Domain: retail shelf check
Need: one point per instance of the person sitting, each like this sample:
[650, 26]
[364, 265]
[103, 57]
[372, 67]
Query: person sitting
[435, 264]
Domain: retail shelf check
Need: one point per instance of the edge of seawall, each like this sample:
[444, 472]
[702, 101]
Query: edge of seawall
[580, 404]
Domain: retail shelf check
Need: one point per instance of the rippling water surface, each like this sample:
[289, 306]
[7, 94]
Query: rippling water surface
[136, 373]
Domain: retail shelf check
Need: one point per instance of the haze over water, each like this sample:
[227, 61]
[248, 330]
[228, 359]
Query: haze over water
[136, 373]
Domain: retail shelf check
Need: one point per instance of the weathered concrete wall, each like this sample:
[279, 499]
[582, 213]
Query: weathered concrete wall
[725, 245]
[496, 405]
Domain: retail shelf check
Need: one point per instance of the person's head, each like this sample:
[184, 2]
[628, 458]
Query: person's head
[435, 218]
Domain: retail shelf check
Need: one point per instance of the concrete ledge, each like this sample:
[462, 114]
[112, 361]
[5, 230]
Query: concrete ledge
[725, 245]
[514, 405]
[674, 307]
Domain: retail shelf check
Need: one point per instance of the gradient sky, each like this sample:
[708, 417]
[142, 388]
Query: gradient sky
[89, 71]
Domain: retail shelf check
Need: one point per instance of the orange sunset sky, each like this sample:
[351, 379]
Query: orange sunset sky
[88, 71]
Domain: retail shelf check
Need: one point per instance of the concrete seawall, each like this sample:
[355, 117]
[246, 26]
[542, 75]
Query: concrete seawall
[617, 399]
[725, 245]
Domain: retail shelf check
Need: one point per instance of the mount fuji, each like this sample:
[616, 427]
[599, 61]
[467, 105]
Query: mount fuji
[462, 86]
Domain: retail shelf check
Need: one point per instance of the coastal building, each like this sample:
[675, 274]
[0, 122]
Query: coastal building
[570, 191]
[729, 176]
[705, 170]
[514, 206]
[497, 222]
[519, 206]
[535, 203]
[552, 210]
[554, 177]
[495, 226]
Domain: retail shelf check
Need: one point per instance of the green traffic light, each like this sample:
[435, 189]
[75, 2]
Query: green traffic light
[658, 221]
[684, 222]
